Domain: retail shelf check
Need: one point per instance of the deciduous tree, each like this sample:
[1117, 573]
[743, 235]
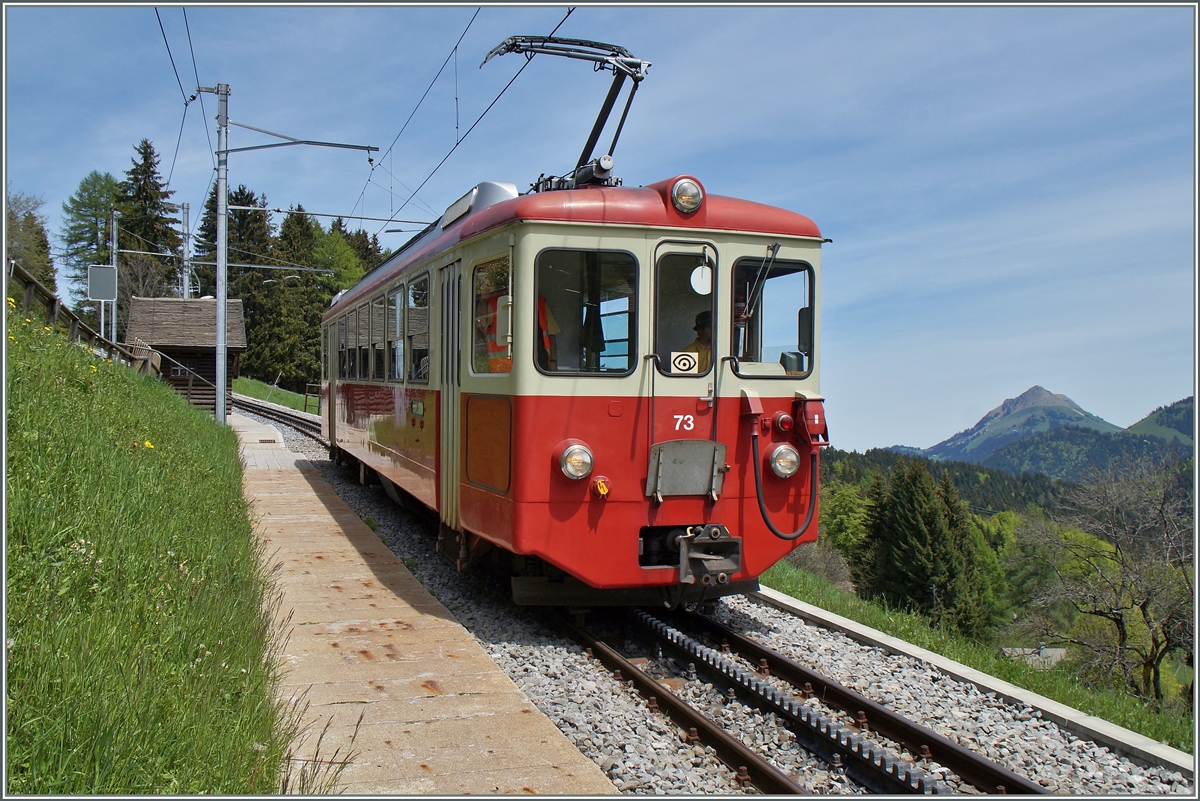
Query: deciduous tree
[26, 241]
[1122, 552]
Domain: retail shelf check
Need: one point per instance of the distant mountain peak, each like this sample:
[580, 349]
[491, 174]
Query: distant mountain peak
[1033, 411]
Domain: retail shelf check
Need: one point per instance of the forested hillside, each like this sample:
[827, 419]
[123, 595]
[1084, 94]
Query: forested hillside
[1073, 454]
[985, 489]
[1174, 422]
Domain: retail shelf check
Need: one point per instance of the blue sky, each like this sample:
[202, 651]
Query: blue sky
[1010, 191]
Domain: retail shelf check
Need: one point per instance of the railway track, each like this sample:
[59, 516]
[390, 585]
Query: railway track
[602, 717]
[304, 423]
[803, 699]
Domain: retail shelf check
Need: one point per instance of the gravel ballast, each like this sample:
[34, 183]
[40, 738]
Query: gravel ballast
[645, 754]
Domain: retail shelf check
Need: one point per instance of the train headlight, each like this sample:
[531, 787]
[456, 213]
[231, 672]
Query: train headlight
[687, 195]
[576, 461]
[785, 460]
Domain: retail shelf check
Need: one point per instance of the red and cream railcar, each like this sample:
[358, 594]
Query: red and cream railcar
[616, 386]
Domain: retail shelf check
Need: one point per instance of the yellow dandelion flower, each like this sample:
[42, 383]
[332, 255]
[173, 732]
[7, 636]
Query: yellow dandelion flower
[12, 302]
[92, 367]
[46, 328]
[148, 445]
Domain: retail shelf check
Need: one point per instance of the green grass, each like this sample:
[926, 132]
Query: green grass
[1173, 728]
[254, 388]
[138, 618]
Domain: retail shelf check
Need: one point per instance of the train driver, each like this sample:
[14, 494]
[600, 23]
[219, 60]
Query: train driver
[702, 344]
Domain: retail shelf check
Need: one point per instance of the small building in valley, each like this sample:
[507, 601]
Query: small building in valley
[184, 331]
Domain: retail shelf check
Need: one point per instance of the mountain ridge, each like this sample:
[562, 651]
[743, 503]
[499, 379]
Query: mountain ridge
[1040, 431]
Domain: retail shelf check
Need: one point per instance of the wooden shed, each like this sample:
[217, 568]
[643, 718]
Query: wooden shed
[185, 332]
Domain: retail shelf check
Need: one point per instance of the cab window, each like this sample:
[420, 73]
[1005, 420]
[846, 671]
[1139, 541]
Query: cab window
[684, 319]
[490, 346]
[586, 307]
[773, 322]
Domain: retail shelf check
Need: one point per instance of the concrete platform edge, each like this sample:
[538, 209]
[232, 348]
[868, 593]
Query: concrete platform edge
[1122, 740]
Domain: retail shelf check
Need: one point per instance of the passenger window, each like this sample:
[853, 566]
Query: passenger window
[683, 334]
[418, 329]
[586, 307]
[364, 342]
[352, 344]
[490, 348]
[395, 335]
[341, 324]
[378, 339]
[773, 315]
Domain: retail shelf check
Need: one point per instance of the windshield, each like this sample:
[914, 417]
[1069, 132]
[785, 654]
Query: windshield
[772, 315]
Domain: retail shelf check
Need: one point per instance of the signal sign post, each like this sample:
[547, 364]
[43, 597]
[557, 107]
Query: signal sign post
[102, 286]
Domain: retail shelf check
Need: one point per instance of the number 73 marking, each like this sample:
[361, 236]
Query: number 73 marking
[685, 422]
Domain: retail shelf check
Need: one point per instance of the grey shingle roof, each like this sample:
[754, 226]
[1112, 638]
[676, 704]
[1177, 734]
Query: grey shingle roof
[180, 323]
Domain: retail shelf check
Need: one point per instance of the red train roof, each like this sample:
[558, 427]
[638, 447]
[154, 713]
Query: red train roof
[611, 205]
[650, 205]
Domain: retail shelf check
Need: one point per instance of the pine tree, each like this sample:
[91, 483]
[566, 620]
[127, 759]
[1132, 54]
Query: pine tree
[296, 302]
[912, 557]
[85, 237]
[250, 239]
[146, 223]
[26, 241]
[974, 590]
[367, 248]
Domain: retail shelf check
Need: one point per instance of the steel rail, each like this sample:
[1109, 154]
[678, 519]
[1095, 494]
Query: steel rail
[304, 425]
[872, 765]
[977, 770]
[745, 762]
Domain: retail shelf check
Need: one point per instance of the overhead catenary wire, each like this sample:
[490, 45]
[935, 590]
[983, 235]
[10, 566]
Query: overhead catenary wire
[168, 44]
[387, 152]
[528, 59]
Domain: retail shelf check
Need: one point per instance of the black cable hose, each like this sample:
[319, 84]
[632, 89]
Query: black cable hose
[762, 506]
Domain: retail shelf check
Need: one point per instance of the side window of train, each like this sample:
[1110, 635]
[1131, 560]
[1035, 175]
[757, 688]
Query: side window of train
[490, 350]
[395, 335]
[773, 315]
[351, 344]
[684, 326]
[586, 308]
[417, 320]
[364, 342]
[341, 327]
[378, 339]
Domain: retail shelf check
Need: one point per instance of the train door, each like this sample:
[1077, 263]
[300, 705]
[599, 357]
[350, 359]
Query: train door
[686, 368]
[450, 390]
[684, 318]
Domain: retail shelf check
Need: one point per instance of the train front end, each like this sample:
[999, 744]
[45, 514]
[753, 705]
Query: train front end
[646, 420]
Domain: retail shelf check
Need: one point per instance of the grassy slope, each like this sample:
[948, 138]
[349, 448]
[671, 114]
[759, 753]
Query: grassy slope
[1059, 685]
[254, 388]
[138, 621]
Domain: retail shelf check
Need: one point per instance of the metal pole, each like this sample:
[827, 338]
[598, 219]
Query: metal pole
[187, 254]
[116, 280]
[222, 240]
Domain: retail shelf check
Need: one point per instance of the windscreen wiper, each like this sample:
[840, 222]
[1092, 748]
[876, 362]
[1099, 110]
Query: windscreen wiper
[755, 295]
